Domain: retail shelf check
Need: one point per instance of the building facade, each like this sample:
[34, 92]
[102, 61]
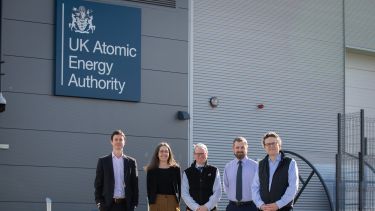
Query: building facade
[288, 66]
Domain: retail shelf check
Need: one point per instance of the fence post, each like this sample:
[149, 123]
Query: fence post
[49, 204]
[360, 161]
[338, 163]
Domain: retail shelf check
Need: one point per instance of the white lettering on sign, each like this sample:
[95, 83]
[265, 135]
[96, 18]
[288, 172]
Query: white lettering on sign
[92, 67]
[93, 83]
[116, 50]
[103, 68]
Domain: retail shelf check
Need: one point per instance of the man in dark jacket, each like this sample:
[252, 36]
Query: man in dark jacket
[116, 181]
[201, 186]
[276, 181]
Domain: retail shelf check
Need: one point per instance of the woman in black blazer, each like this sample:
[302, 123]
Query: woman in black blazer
[163, 180]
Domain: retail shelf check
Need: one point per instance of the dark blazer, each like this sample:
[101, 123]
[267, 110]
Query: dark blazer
[152, 184]
[105, 182]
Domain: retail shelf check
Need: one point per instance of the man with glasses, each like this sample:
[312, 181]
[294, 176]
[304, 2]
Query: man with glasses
[201, 186]
[238, 177]
[276, 182]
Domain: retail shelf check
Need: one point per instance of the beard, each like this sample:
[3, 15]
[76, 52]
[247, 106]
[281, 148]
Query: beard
[239, 155]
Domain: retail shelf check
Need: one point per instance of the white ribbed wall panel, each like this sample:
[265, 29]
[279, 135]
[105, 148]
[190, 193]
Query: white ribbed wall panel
[287, 55]
[360, 86]
[359, 24]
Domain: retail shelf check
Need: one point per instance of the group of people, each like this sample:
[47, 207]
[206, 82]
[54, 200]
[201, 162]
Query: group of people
[269, 185]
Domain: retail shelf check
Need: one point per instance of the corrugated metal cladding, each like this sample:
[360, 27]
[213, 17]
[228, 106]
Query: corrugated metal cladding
[286, 55]
[164, 3]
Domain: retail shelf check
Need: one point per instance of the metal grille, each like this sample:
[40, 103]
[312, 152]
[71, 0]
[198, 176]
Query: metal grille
[163, 3]
[356, 162]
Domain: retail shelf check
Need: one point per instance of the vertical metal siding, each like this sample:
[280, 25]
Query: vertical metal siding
[287, 55]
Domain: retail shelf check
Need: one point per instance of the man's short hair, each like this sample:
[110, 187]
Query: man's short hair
[240, 139]
[271, 134]
[118, 132]
[200, 145]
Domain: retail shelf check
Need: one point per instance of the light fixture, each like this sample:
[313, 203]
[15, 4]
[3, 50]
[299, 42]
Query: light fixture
[214, 102]
[183, 115]
[3, 102]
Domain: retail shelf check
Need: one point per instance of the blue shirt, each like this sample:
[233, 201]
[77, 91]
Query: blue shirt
[292, 180]
[249, 167]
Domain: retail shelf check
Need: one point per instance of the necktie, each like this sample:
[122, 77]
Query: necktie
[239, 182]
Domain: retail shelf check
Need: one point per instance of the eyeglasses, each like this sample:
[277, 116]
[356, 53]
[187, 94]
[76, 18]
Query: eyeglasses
[199, 154]
[272, 144]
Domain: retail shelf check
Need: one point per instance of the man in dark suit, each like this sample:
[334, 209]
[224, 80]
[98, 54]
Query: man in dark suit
[116, 181]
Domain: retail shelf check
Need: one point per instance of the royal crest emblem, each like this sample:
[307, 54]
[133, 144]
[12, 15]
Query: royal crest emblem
[82, 20]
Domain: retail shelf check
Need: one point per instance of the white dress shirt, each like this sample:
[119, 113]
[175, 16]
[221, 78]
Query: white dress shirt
[118, 173]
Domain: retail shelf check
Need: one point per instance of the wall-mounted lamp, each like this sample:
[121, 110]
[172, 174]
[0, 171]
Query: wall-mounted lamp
[214, 102]
[4, 146]
[3, 102]
[183, 115]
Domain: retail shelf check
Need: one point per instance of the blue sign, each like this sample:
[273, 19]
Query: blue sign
[98, 50]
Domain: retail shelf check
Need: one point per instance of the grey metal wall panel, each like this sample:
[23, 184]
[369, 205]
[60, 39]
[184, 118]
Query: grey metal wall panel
[33, 184]
[359, 24]
[182, 4]
[35, 75]
[166, 23]
[287, 55]
[55, 140]
[164, 54]
[21, 206]
[32, 147]
[28, 39]
[171, 88]
[41, 11]
[40, 112]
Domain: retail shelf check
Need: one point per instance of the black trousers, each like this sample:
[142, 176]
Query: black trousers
[118, 207]
[285, 209]
[247, 207]
[115, 207]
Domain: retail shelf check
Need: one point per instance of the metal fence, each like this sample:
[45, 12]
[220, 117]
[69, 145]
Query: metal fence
[355, 173]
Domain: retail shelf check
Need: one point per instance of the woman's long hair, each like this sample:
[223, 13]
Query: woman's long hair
[154, 163]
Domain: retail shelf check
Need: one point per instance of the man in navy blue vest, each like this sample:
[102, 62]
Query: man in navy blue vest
[276, 182]
[201, 186]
